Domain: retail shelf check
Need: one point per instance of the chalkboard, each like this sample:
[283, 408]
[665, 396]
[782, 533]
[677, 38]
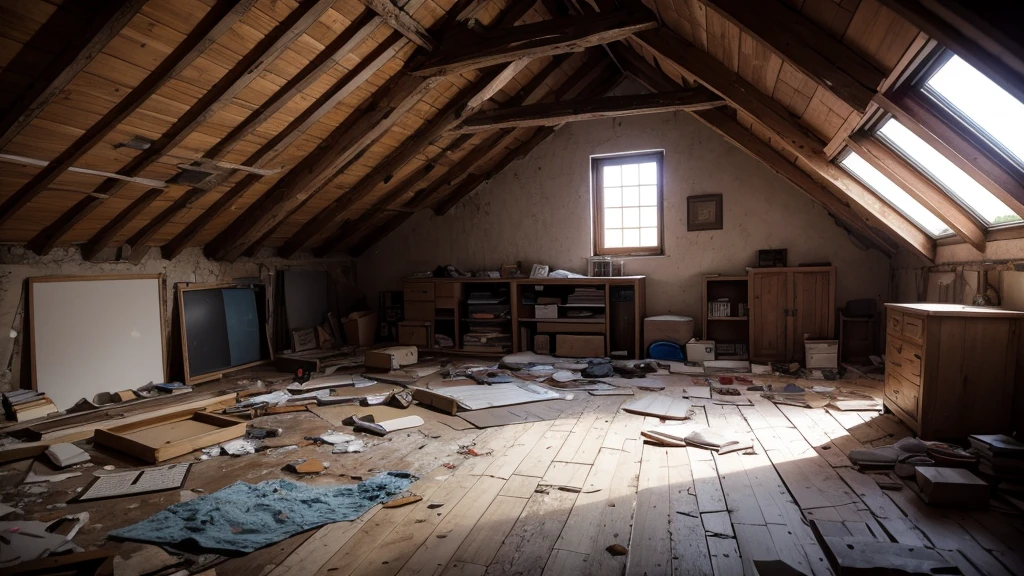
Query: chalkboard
[223, 328]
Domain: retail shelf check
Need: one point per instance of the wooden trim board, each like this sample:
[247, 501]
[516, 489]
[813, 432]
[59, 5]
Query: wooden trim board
[171, 435]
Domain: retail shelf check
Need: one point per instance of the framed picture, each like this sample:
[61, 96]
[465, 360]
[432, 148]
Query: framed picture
[510, 270]
[704, 212]
[539, 271]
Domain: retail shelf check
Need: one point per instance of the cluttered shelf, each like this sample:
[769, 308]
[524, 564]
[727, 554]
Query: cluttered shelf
[591, 320]
[735, 318]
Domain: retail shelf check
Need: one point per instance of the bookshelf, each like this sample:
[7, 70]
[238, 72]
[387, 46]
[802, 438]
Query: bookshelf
[725, 316]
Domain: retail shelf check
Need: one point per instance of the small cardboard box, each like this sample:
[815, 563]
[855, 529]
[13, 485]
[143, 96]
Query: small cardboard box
[415, 334]
[700, 350]
[576, 346]
[821, 354]
[678, 329]
[360, 328]
[391, 358]
[546, 311]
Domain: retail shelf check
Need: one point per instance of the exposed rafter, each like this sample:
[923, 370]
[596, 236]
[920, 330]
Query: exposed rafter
[919, 187]
[808, 148]
[243, 72]
[806, 47]
[108, 18]
[401, 22]
[308, 118]
[543, 38]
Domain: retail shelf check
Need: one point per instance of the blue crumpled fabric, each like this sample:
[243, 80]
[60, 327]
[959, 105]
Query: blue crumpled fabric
[245, 517]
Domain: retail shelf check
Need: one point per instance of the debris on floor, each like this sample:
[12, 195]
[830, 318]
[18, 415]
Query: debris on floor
[304, 466]
[24, 540]
[664, 407]
[65, 454]
[367, 424]
[399, 502]
[245, 517]
[33, 477]
[110, 484]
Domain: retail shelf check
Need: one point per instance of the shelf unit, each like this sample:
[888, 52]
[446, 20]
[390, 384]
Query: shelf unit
[619, 318]
[726, 330]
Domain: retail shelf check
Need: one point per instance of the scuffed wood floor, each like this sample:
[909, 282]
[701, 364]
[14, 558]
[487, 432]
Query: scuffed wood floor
[550, 497]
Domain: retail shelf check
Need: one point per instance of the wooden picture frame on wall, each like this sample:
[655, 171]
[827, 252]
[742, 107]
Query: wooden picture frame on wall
[704, 212]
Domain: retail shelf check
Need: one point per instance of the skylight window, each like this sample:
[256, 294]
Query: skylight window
[944, 173]
[982, 103]
[894, 195]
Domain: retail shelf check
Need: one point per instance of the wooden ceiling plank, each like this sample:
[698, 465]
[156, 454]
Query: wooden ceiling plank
[580, 109]
[966, 150]
[116, 225]
[341, 89]
[919, 187]
[110, 16]
[380, 233]
[543, 38]
[402, 22]
[731, 130]
[807, 147]
[959, 28]
[233, 82]
[343, 44]
[806, 47]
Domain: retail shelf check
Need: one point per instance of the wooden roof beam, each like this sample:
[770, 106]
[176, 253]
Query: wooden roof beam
[808, 148]
[806, 47]
[233, 82]
[963, 147]
[109, 17]
[551, 114]
[727, 126]
[402, 22]
[543, 38]
[919, 187]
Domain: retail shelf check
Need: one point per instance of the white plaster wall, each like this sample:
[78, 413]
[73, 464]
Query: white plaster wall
[538, 210]
[914, 281]
[18, 264]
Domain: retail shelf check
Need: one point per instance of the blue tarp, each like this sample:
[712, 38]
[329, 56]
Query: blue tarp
[246, 517]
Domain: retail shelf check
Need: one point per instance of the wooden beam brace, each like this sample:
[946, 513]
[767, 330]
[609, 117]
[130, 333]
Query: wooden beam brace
[959, 27]
[960, 145]
[919, 187]
[806, 47]
[233, 82]
[395, 98]
[499, 82]
[866, 228]
[551, 114]
[109, 17]
[380, 55]
[543, 38]
[402, 22]
[808, 148]
[641, 70]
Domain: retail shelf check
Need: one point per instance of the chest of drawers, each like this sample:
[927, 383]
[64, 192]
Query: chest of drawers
[950, 370]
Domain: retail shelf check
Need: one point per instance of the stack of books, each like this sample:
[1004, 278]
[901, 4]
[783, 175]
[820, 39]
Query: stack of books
[488, 317]
[999, 456]
[586, 296]
[22, 405]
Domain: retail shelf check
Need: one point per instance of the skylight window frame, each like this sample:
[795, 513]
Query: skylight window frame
[839, 162]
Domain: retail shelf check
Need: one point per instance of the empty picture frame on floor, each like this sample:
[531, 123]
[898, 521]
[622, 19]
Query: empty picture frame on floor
[92, 334]
[223, 328]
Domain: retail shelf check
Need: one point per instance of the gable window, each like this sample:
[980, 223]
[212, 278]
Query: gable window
[627, 194]
[945, 174]
[894, 195]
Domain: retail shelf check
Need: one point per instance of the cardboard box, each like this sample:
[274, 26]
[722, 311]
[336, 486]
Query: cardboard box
[546, 311]
[821, 354]
[576, 346]
[671, 328]
[390, 358]
[360, 328]
[416, 334]
[952, 487]
[542, 344]
[700, 350]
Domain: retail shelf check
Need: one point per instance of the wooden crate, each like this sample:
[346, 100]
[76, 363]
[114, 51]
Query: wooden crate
[166, 437]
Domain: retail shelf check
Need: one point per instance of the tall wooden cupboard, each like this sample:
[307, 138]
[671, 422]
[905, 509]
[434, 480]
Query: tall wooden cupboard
[787, 306]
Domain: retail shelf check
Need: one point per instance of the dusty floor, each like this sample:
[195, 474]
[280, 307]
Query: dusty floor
[550, 497]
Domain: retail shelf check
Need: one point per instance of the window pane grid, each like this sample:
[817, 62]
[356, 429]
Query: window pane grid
[629, 206]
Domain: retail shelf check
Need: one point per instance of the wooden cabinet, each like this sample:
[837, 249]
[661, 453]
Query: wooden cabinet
[788, 306]
[950, 369]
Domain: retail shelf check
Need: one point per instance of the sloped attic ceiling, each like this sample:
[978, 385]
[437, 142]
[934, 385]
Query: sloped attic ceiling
[322, 124]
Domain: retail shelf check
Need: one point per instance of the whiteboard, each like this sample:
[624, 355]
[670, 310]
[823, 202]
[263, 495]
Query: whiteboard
[95, 335]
